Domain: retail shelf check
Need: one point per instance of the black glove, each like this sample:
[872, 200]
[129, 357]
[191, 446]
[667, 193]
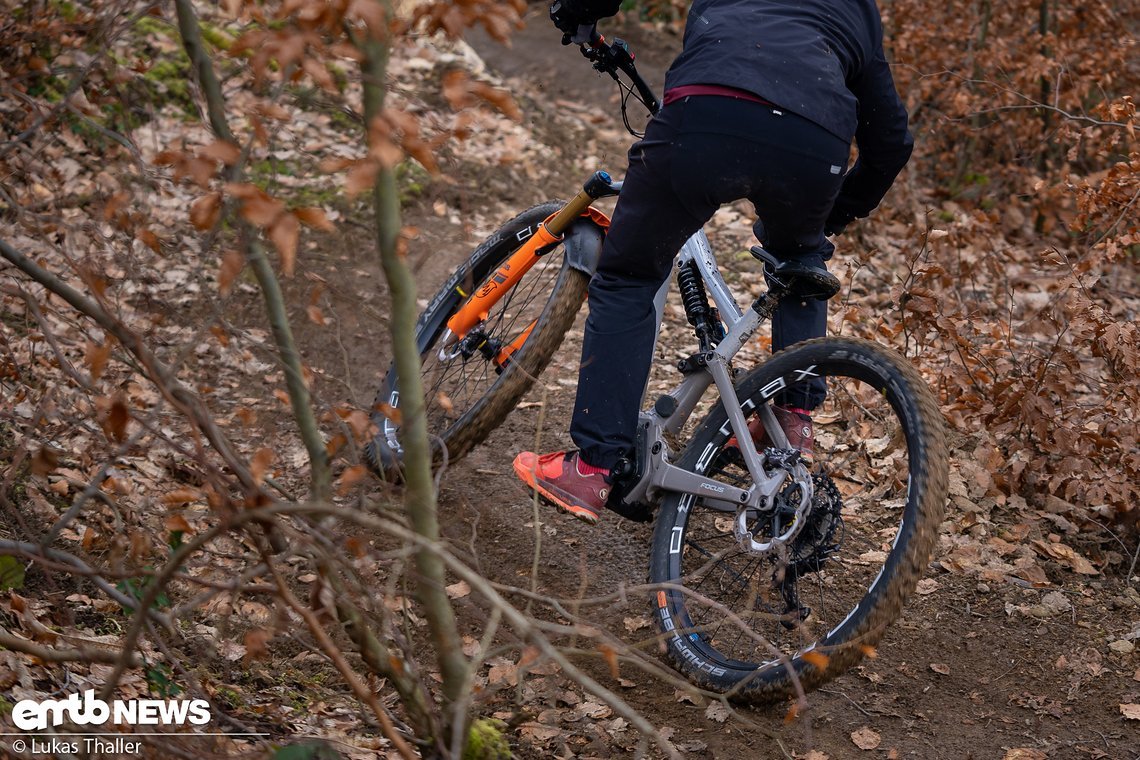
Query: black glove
[576, 25]
[566, 16]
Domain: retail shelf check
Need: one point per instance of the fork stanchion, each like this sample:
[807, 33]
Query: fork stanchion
[478, 307]
[597, 186]
[560, 221]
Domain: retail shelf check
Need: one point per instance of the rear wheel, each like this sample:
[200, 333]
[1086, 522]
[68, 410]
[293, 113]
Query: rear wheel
[471, 388]
[757, 603]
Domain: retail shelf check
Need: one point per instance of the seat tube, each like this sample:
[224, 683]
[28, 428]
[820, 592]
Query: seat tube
[697, 249]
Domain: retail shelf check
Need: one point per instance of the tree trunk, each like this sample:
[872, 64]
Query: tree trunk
[420, 498]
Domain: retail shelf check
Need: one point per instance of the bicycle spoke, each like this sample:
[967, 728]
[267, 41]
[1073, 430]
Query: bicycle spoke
[860, 447]
[452, 387]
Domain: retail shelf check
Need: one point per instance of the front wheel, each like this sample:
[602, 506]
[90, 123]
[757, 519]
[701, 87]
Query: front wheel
[816, 589]
[469, 393]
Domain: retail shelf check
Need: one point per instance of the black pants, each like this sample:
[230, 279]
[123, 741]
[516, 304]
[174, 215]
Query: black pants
[698, 153]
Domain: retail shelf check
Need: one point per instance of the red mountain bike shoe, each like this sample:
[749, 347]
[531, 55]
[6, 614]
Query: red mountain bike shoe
[563, 479]
[797, 426]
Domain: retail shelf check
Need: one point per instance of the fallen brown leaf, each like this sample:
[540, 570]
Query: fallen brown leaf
[255, 642]
[866, 738]
[458, 590]
[1024, 753]
[181, 496]
[717, 711]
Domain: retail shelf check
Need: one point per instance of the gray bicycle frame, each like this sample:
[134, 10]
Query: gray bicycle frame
[660, 475]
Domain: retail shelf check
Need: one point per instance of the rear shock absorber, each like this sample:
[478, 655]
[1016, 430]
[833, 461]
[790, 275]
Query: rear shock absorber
[702, 316]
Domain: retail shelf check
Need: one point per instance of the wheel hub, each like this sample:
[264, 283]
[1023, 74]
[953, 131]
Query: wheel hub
[772, 531]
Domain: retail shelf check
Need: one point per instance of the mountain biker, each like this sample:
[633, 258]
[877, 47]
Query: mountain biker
[762, 103]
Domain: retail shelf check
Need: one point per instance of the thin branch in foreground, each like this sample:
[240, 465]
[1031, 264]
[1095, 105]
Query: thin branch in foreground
[44, 654]
[329, 647]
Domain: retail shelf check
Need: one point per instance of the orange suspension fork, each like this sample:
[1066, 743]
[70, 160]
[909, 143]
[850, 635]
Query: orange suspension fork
[549, 232]
[480, 304]
[507, 352]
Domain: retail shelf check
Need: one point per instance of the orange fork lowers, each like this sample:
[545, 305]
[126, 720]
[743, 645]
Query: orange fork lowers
[480, 304]
[507, 352]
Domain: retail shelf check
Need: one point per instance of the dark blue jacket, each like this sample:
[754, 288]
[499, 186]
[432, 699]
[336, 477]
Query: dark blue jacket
[820, 59]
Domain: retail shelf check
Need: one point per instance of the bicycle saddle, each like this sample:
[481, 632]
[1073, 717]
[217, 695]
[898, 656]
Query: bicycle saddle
[796, 278]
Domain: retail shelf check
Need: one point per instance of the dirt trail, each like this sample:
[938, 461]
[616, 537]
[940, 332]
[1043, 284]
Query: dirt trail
[962, 675]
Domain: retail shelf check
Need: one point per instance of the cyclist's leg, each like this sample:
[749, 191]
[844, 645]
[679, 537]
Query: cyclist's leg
[793, 203]
[698, 153]
[650, 223]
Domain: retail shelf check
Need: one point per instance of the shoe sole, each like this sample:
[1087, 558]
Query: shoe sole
[584, 514]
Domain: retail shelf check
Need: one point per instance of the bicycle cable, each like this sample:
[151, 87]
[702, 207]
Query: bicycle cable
[610, 59]
[626, 91]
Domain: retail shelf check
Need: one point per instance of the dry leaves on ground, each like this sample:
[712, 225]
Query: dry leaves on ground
[866, 738]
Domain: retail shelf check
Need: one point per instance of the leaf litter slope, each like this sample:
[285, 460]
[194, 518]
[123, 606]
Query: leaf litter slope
[1005, 647]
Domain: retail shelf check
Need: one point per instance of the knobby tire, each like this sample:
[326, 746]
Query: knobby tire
[473, 424]
[768, 677]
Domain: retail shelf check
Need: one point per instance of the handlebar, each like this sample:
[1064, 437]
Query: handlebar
[610, 59]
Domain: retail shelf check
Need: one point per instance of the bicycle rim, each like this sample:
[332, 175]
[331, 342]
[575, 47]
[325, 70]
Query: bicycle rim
[753, 623]
[468, 393]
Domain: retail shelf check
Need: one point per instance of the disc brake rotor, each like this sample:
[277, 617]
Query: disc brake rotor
[762, 533]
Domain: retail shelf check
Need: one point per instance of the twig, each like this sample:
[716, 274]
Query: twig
[92, 487]
[536, 514]
[463, 704]
[192, 679]
[36, 552]
[177, 394]
[16, 644]
[267, 280]
[362, 692]
[49, 335]
[524, 626]
[1029, 103]
[154, 588]
[420, 496]
[854, 704]
[378, 658]
[77, 82]
[1132, 568]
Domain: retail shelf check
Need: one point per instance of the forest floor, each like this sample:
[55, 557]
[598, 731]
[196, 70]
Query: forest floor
[1007, 652]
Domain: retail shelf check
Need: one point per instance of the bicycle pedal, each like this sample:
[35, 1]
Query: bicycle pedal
[784, 459]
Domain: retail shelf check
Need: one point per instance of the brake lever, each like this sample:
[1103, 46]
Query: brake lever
[615, 57]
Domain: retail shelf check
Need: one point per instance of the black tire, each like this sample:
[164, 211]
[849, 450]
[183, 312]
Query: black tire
[468, 398]
[895, 443]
